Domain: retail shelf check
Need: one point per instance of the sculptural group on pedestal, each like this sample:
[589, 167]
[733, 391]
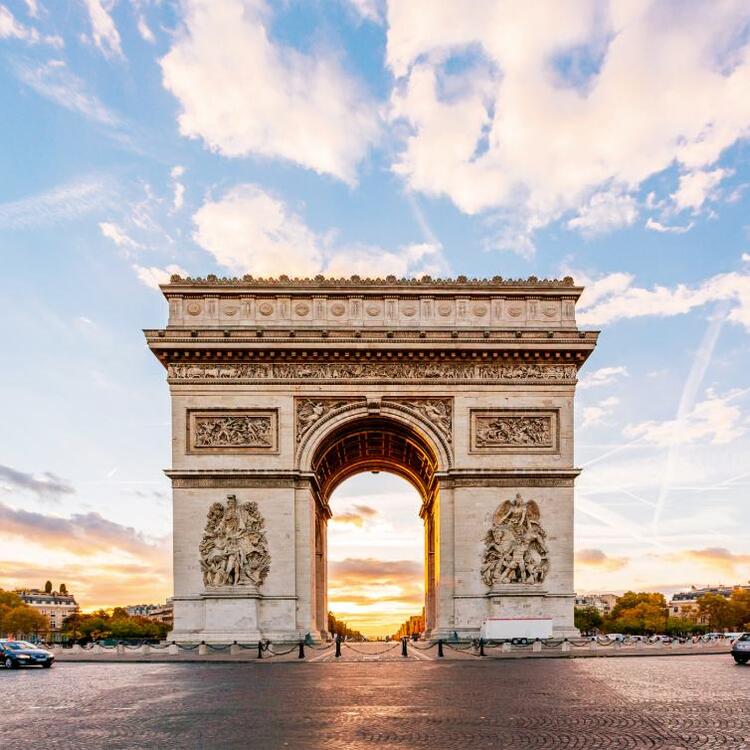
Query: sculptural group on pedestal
[516, 550]
[234, 549]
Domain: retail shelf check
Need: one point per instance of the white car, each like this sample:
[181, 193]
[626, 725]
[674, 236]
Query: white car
[741, 649]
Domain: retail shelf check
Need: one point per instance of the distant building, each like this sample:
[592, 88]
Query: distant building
[54, 605]
[685, 603]
[415, 624]
[157, 612]
[142, 610]
[602, 603]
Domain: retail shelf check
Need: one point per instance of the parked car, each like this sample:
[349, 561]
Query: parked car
[14, 654]
[741, 649]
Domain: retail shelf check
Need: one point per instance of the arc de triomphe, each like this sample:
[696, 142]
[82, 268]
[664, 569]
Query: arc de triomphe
[283, 388]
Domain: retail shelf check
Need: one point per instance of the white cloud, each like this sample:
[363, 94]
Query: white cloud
[244, 94]
[369, 10]
[115, 233]
[12, 28]
[714, 420]
[152, 276]
[103, 29]
[144, 30]
[604, 212]
[178, 199]
[535, 107]
[615, 297]
[602, 376]
[593, 415]
[745, 257]
[55, 82]
[248, 230]
[697, 187]
[62, 203]
[32, 8]
[657, 226]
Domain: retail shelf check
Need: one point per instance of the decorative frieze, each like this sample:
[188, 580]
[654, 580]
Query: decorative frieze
[374, 371]
[515, 547]
[234, 548]
[230, 431]
[514, 431]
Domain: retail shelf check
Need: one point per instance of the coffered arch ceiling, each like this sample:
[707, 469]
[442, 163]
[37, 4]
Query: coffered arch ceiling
[375, 444]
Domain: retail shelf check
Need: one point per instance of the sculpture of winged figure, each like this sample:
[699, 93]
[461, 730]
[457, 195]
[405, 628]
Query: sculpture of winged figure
[515, 547]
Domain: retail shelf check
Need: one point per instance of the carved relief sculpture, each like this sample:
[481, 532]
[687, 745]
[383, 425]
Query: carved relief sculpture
[515, 548]
[234, 549]
[437, 411]
[451, 371]
[233, 432]
[513, 431]
[310, 410]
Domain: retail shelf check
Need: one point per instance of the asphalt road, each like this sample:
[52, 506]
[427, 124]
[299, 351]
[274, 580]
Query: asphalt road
[649, 702]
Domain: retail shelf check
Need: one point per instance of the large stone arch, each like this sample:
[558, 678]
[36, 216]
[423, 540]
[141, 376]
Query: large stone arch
[367, 437]
[282, 388]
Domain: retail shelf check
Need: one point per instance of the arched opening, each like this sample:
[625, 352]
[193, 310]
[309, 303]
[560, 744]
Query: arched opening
[375, 553]
[377, 443]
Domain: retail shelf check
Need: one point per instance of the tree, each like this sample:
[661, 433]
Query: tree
[637, 614]
[587, 619]
[63, 589]
[23, 620]
[10, 599]
[740, 603]
[717, 610]
[48, 587]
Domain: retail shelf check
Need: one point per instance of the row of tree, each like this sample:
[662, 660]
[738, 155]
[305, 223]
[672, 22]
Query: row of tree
[117, 625]
[645, 613]
[337, 627]
[17, 618]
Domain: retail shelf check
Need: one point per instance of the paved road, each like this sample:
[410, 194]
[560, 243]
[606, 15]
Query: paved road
[667, 703]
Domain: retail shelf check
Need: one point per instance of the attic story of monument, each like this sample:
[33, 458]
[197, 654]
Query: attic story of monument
[283, 388]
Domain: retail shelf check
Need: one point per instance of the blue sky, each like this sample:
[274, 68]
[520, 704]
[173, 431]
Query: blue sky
[605, 140]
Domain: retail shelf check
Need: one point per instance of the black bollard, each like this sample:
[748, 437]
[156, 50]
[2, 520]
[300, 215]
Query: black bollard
[481, 646]
[440, 649]
[301, 654]
[403, 647]
[260, 649]
[338, 646]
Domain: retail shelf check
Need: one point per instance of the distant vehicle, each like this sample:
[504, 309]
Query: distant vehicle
[734, 636]
[14, 654]
[741, 649]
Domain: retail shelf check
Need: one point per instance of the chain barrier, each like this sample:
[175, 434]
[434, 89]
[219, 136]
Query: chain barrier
[468, 650]
[423, 648]
[372, 653]
[281, 653]
[219, 648]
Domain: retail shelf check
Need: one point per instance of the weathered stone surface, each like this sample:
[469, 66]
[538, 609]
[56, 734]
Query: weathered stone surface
[281, 388]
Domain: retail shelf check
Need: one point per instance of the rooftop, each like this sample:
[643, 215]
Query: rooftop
[320, 281]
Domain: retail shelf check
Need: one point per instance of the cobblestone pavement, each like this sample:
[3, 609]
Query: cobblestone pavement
[649, 702]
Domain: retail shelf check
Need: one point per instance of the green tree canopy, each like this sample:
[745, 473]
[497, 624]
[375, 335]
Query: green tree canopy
[587, 619]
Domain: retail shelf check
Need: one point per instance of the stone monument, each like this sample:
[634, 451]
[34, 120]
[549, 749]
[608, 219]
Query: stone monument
[283, 388]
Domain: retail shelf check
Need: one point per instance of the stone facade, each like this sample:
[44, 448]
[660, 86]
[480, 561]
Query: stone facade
[281, 389]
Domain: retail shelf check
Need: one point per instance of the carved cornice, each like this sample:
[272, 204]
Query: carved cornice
[391, 282]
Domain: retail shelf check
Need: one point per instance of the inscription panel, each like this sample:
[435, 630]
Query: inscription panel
[514, 431]
[232, 431]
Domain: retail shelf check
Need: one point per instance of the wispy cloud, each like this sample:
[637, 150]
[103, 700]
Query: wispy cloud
[65, 202]
[103, 29]
[46, 486]
[12, 28]
[596, 558]
[602, 376]
[54, 81]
